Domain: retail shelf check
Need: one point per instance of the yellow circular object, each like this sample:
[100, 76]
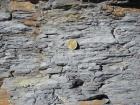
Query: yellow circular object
[72, 44]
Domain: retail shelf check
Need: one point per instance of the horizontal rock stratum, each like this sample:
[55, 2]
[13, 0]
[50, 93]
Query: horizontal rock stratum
[69, 52]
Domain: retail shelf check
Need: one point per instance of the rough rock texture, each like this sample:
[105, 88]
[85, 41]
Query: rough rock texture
[37, 68]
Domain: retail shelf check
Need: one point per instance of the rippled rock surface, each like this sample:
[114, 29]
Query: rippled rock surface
[99, 66]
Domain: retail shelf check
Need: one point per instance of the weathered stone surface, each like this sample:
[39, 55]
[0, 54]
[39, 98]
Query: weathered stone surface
[37, 68]
[94, 102]
[21, 6]
[4, 97]
[5, 16]
[54, 70]
[13, 27]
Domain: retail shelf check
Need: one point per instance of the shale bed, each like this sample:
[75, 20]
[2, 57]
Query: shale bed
[67, 52]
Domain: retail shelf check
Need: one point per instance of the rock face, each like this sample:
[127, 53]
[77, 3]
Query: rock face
[38, 68]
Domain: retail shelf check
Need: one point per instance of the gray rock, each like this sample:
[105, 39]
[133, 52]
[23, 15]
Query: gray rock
[106, 62]
[21, 15]
[23, 68]
[62, 4]
[60, 60]
[48, 84]
[13, 27]
[54, 70]
[4, 16]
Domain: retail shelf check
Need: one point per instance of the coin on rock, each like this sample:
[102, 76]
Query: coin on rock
[72, 44]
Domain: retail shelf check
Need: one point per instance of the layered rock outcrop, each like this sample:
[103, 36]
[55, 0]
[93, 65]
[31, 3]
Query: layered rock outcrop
[37, 66]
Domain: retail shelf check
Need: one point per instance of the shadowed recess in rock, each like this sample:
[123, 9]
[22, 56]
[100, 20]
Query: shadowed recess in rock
[33, 1]
[127, 3]
[76, 83]
[96, 97]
